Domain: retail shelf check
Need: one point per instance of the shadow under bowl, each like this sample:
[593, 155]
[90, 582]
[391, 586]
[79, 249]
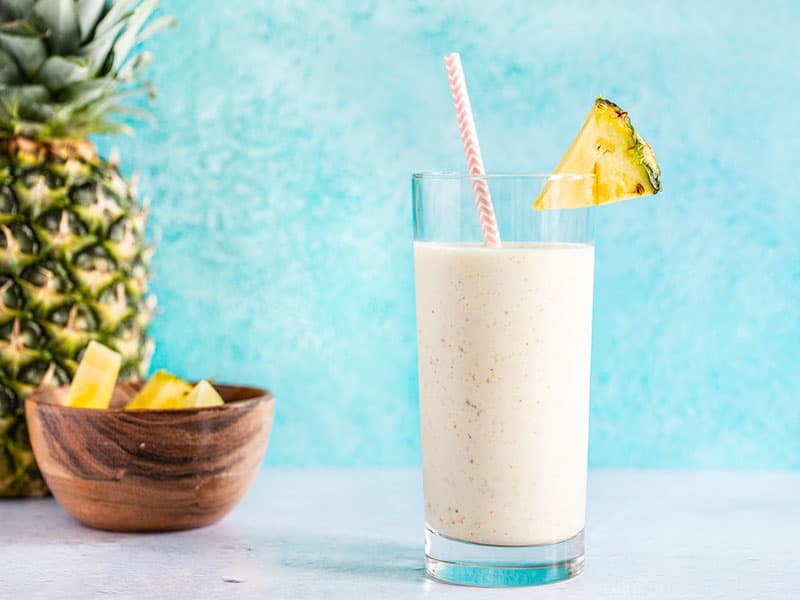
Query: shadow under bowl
[150, 470]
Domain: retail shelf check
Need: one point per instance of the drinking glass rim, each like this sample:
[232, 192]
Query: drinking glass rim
[445, 175]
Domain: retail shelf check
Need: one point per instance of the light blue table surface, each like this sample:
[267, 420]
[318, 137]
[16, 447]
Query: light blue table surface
[357, 534]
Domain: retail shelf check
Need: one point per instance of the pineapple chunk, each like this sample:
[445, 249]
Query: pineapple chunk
[163, 390]
[608, 146]
[203, 394]
[95, 378]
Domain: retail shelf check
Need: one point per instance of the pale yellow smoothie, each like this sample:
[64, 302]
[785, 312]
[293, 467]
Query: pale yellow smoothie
[504, 362]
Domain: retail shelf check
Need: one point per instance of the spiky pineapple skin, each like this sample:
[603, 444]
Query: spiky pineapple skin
[74, 267]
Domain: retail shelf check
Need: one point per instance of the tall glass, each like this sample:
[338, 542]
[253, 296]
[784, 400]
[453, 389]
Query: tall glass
[504, 339]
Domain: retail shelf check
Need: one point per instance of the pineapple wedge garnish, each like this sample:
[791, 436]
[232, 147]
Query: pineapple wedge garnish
[608, 146]
[202, 394]
[163, 390]
[95, 378]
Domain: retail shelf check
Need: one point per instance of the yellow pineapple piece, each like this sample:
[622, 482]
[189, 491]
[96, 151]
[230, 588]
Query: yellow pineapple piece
[163, 390]
[203, 394]
[607, 146]
[95, 377]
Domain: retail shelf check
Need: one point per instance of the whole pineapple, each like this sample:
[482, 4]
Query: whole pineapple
[73, 255]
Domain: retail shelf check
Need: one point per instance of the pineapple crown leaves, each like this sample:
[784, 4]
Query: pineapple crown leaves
[67, 65]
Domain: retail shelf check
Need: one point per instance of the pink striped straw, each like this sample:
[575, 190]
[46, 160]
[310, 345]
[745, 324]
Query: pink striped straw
[472, 150]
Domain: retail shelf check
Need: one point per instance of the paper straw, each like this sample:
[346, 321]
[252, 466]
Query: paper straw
[472, 150]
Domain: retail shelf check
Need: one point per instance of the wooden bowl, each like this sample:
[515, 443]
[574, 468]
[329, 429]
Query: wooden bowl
[150, 470]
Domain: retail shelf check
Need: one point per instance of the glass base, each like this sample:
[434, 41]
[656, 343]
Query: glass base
[465, 563]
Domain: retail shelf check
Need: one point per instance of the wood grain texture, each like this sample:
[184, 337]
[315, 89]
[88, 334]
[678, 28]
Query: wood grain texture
[150, 470]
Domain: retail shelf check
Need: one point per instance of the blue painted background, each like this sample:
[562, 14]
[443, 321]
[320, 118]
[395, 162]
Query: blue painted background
[280, 178]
